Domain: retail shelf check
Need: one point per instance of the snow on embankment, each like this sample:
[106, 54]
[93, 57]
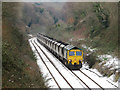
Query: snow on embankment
[110, 61]
[44, 71]
[107, 60]
[89, 48]
[109, 64]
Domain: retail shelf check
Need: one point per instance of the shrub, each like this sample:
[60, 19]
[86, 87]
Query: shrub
[55, 19]
[91, 59]
[41, 10]
[102, 14]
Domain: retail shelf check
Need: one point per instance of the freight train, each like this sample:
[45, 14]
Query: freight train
[70, 55]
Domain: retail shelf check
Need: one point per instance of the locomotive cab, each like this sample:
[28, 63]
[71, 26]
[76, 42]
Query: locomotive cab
[74, 57]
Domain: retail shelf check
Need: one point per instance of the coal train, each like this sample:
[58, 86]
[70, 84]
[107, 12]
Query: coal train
[70, 55]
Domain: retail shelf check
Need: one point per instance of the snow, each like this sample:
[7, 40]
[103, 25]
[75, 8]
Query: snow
[54, 71]
[112, 77]
[62, 70]
[59, 79]
[66, 73]
[43, 68]
[90, 83]
[81, 39]
[86, 66]
[112, 63]
[99, 77]
[109, 61]
[30, 35]
[89, 48]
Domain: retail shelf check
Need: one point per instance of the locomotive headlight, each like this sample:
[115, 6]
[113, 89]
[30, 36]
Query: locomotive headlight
[70, 60]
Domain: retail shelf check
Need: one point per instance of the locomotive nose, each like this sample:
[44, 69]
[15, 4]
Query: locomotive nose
[75, 63]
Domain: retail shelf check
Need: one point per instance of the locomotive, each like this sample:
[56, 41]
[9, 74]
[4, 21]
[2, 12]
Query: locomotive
[70, 55]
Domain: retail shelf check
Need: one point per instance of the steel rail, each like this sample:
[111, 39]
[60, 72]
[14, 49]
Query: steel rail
[54, 65]
[92, 80]
[72, 72]
[46, 66]
[101, 76]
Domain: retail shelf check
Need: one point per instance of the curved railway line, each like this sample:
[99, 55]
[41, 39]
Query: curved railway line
[101, 76]
[92, 80]
[46, 66]
[62, 75]
[72, 72]
[54, 67]
[76, 75]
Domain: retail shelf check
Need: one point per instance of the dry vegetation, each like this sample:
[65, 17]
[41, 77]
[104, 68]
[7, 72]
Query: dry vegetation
[96, 23]
[19, 67]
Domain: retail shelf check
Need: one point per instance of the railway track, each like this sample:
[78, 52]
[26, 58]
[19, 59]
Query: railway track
[73, 73]
[89, 78]
[70, 86]
[55, 67]
[92, 80]
[46, 66]
[101, 76]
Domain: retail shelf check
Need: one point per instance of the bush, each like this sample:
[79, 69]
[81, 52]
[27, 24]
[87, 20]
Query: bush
[17, 57]
[55, 19]
[102, 14]
[91, 59]
[41, 10]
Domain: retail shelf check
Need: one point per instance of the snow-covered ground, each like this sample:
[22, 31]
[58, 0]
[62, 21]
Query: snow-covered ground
[89, 48]
[30, 35]
[99, 77]
[108, 60]
[73, 81]
[103, 81]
